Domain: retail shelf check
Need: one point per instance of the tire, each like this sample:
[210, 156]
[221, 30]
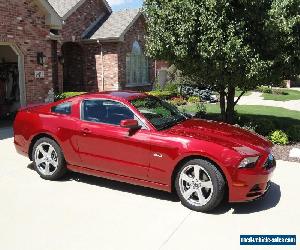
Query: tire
[48, 159]
[208, 184]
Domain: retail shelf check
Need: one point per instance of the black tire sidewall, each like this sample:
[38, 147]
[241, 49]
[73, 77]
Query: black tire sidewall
[217, 181]
[61, 169]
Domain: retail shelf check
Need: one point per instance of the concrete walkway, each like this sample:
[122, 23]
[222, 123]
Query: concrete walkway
[256, 99]
[84, 212]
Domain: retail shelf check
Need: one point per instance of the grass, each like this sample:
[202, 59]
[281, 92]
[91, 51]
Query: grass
[283, 118]
[290, 95]
[238, 92]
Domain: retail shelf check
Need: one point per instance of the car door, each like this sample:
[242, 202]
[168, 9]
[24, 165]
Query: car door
[106, 146]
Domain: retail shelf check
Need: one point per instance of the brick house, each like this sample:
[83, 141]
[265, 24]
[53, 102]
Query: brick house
[69, 45]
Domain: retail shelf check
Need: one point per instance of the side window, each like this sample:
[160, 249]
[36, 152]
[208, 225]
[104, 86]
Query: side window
[105, 111]
[64, 108]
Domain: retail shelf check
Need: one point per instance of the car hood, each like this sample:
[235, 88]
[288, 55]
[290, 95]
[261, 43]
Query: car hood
[220, 133]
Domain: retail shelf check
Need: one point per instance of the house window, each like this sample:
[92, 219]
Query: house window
[137, 67]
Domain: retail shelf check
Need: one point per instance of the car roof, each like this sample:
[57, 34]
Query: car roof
[120, 95]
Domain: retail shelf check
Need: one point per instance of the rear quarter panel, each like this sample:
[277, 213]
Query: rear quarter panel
[31, 124]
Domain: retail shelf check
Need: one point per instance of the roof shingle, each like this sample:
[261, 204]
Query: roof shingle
[62, 7]
[116, 24]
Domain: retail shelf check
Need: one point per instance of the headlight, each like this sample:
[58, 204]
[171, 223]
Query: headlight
[249, 162]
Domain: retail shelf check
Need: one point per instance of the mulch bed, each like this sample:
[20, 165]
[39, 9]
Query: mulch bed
[283, 152]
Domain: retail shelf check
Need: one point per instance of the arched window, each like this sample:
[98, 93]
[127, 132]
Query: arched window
[137, 66]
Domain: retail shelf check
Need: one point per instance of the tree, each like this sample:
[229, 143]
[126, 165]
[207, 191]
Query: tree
[227, 43]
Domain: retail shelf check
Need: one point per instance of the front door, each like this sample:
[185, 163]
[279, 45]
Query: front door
[106, 146]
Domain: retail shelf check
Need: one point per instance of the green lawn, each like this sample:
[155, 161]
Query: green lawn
[238, 92]
[291, 95]
[283, 118]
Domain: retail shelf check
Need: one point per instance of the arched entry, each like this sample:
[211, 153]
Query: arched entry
[73, 67]
[12, 79]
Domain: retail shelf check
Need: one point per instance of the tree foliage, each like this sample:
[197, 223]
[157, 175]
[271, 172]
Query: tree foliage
[227, 43]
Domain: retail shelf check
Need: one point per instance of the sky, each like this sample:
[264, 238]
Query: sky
[125, 4]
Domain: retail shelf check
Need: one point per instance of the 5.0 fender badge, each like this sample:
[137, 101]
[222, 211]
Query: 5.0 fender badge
[157, 155]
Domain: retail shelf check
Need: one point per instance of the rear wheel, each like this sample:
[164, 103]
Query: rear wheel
[48, 159]
[200, 185]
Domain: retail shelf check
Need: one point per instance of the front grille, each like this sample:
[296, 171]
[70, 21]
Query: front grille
[270, 162]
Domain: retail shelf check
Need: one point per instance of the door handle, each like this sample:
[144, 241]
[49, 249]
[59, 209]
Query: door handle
[86, 131]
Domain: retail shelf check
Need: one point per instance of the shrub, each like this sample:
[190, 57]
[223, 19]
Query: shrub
[157, 87]
[279, 92]
[178, 101]
[162, 94]
[171, 87]
[201, 109]
[194, 99]
[65, 95]
[294, 133]
[264, 89]
[264, 126]
[279, 137]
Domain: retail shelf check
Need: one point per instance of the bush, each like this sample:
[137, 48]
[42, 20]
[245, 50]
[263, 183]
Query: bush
[194, 99]
[171, 87]
[294, 133]
[264, 89]
[264, 126]
[201, 110]
[279, 137]
[279, 92]
[178, 101]
[162, 94]
[65, 95]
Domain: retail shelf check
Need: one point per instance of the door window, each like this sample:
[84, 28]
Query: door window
[105, 111]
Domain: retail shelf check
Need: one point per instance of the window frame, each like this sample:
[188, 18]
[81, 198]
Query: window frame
[138, 117]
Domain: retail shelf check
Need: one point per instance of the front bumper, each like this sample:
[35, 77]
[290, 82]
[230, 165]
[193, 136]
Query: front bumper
[20, 150]
[250, 184]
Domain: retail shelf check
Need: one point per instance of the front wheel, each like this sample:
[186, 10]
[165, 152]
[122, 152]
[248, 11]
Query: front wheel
[48, 159]
[200, 185]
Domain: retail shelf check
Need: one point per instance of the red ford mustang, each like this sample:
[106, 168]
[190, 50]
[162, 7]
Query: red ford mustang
[140, 139]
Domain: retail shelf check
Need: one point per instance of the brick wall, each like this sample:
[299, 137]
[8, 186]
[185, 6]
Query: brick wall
[93, 69]
[22, 23]
[78, 22]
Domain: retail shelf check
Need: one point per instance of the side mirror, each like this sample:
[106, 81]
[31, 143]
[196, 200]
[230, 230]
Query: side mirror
[131, 124]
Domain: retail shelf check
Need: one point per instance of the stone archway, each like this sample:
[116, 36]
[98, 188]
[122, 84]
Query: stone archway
[73, 67]
[21, 74]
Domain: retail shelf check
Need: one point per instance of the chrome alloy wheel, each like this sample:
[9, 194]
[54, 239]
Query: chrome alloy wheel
[195, 185]
[46, 159]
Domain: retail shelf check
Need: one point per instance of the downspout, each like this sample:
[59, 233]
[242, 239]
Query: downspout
[102, 65]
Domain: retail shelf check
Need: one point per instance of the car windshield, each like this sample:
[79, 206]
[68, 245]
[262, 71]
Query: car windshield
[159, 113]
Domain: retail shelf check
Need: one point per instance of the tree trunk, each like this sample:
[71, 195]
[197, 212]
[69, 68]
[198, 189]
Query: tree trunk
[230, 105]
[223, 104]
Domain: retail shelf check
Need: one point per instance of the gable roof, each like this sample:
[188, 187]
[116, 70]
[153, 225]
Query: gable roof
[52, 18]
[116, 26]
[65, 8]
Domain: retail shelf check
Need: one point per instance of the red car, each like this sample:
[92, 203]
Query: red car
[140, 139]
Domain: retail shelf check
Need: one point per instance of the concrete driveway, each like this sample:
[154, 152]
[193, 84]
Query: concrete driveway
[86, 213]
